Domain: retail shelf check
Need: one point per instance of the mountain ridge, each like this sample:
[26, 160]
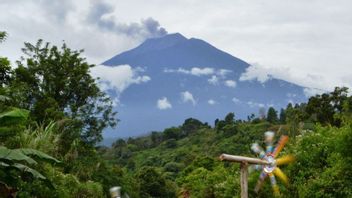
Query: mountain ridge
[178, 50]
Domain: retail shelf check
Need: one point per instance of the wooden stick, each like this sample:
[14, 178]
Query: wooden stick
[244, 180]
[240, 159]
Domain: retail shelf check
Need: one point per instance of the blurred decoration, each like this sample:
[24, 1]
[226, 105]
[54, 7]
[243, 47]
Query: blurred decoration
[271, 170]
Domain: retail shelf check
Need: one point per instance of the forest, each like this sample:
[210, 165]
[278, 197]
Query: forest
[53, 113]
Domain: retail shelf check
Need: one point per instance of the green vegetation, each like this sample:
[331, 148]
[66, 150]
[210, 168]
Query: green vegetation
[52, 114]
[187, 156]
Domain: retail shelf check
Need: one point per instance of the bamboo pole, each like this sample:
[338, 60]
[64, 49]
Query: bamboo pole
[240, 159]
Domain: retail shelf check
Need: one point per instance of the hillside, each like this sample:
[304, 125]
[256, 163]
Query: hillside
[184, 160]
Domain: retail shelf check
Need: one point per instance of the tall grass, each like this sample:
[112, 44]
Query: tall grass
[41, 137]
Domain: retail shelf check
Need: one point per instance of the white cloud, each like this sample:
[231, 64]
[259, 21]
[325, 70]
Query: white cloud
[223, 72]
[291, 95]
[163, 104]
[236, 100]
[311, 81]
[308, 37]
[187, 97]
[118, 78]
[255, 104]
[202, 71]
[255, 72]
[213, 80]
[195, 71]
[212, 102]
[230, 83]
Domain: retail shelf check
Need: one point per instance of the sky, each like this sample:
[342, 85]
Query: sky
[305, 42]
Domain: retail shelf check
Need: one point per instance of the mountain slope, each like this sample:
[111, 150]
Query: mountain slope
[174, 50]
[191, 78]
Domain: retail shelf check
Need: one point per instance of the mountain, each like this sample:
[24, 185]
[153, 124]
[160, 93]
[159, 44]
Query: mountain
[174, 51]
[190, 78]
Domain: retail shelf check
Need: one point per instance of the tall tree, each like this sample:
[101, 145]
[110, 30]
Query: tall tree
[2, 36]
[191, 125]
[294, 117]
[322, 108]
[153, 184]
[55, 83]
[5, 67]
[272, 115]
[230, 118]
[282, 117]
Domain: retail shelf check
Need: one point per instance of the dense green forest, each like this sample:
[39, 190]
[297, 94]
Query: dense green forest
[52, 114]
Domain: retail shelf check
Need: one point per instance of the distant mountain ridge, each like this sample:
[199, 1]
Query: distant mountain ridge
[196, 80]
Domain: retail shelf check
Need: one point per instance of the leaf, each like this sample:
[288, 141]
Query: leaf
[39, 154]
[6, 131]
[27, 169]
[13, 116]
[14, 155]
[4, 98]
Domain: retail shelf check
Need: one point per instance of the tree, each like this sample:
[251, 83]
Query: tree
[272, 115]
[2, 36]
[295, 116]
[171, 133]
[55, 83]
[5, 68]
[322, 108]
[230, 118]
[227, 124]
[5, 72]
[156, 138]
[282, 117]
[153, 184]
[190, 126]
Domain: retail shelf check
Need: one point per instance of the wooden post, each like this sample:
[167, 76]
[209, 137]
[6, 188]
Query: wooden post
[244, 169]
[244, 180]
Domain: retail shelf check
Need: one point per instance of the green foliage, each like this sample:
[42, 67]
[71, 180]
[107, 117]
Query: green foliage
[190, 163]
[10, 120]
[66, 185]
[5, 73]
[323, 167]
[41, 137]
[55, 83]
[322, 108]
[190, 160]
[2, 36]
[272, 115]
[221, 182]
[191, 126]
[171, 133]
[153, 184]
[16, 164]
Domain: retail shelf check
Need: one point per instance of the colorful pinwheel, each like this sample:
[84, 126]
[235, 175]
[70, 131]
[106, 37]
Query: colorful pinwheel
[270, 155]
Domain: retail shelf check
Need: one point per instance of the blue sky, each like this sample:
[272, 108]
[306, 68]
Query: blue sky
[305, 42]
